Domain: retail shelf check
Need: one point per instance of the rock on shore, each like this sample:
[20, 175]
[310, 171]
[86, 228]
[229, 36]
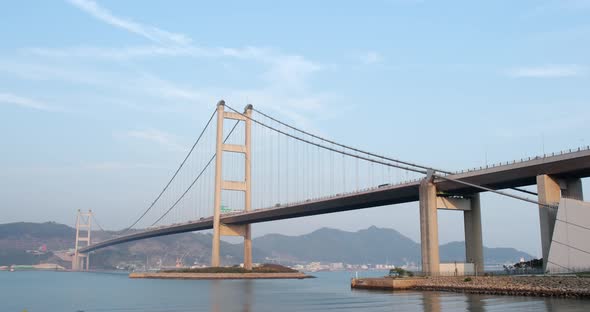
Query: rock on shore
[544, 286]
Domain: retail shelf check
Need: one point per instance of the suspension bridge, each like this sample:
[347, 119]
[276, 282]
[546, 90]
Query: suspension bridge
[247, 167]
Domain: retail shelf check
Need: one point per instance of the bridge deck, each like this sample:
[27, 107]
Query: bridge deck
[574, 164]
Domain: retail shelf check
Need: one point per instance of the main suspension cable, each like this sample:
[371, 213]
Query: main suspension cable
[197, 178]
[175, 174]
[96, 222]
[427, 172]
[371, 154]
[494, 191]
[331, 148]
[349, 147]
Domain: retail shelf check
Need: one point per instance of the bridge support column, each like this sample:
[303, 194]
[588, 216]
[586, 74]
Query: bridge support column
[551, 190]
[248, 183]
[77, 263]
[81, 262]
[218, 178]
[220, 229]
[429, 227]
[473, 234]
[248, 248]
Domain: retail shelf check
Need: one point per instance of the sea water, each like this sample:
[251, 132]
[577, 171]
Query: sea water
[36, 291]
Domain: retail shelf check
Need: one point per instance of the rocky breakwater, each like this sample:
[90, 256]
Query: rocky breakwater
[544, 286]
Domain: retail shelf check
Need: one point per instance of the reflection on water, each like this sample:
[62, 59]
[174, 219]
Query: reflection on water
[475, 303]
[59, 291]
[240, 300]
[431, 301]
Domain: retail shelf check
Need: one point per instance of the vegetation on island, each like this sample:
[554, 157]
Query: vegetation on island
[399, 272]
[533, 266]
[264, 268]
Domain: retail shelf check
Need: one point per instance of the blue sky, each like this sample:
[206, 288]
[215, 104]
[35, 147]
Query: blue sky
[99, 100]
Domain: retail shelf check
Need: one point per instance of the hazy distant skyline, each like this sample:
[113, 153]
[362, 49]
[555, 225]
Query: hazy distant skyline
[100, 100]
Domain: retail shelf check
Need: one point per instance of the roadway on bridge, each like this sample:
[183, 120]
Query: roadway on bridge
[572, 164]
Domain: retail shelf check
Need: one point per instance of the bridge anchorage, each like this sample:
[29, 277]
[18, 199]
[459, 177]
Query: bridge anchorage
[261, 169]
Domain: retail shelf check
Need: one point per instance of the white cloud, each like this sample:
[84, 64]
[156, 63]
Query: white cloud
[8, 98]
[156, 136]
[166, 89]
[151, 33]
[371, 57]
[113, 165]
[551, 7]
[285, 69]
[131, 52]
[547, 71]
[121, 53]
[285, 75]
[43, 72]
[290, 71]
[535, 125]
[71, 168]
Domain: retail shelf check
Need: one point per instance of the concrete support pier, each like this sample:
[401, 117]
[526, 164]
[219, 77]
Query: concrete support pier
[75, 263]
[551, 190]
[429, 227]
[80, 262]
[473, 234]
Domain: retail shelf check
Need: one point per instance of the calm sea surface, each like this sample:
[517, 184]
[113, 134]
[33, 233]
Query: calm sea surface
[66, 291]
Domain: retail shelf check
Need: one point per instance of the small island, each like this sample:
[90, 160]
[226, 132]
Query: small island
[264, 271]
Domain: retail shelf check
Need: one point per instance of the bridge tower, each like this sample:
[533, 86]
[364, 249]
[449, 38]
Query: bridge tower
[83, 230]
[219, 228]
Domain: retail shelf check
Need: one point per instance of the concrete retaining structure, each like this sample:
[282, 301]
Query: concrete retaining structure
[384, 283]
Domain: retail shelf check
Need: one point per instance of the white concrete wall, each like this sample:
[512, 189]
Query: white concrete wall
[457, 268]
[570, 245]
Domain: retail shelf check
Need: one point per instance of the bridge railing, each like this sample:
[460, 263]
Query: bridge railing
[522, 160]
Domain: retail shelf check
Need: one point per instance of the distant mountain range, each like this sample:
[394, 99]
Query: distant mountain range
[373, 245]
[369, 246]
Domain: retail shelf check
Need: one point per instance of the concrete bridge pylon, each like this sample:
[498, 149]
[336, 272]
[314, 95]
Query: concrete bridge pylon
[81, 261]
[219, 228]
